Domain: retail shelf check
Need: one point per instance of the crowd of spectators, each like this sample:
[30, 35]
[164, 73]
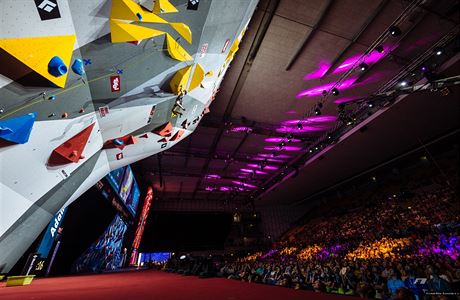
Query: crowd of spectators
[397, 248]
[391, 248]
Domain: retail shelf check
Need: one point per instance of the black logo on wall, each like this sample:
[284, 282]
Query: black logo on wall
[193, 4]
[47, 9]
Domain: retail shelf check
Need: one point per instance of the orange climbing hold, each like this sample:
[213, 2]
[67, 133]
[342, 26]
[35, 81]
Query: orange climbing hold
[164, 130]
[177, 135]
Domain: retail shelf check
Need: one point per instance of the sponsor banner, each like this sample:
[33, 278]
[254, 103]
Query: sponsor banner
[115, 83]
[51, 233]
[47, 9]
[141, 225]
[193, 4]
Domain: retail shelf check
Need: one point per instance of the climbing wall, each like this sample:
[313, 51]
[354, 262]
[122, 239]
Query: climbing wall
[87, 87]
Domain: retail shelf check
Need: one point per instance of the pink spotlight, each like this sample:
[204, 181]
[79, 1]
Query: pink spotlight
[212, 176]
[285, 148]
[224, 189]
[354, 60]
[265, 167]
[280, 156]
[245, 184]
[268, 159]
[253, 171]
[316, 91]
[345, 100]
[279, 140]
[311, 121]
[318, 73]
[305, 128]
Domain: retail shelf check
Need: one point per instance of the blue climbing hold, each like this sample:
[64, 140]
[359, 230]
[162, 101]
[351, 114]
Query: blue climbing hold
[77, 67]
[139, 16]
[119, 71]
[57, 67]
[5, 130]
[87, 61]
[118, 142]
[17, 130]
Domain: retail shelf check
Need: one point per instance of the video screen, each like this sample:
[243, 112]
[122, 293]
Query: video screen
[106, 252]
[123, 182]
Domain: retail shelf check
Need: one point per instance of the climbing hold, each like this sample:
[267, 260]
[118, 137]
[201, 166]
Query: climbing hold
[1, 110]
[72, 149]
[77, 67]
[118, 142]
[17, 130]
[119, 71]
[209, 73]
[52, 97]
[139, 16]
[65, 115]
[177, 135]
[164, 130]
[87, 61]
[51, 115]
[57, 67]
[145, 136]
[5, 130]
[82, 110]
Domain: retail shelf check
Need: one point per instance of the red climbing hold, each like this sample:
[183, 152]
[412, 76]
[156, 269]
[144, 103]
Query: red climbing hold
[72, 149]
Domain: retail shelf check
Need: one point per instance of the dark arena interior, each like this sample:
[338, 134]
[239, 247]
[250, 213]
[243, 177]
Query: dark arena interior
[229, 149]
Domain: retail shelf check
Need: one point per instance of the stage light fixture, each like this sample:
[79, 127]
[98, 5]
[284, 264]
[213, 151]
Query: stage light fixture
[363, 66]
[394, 31]
[380, 49]
[299, 126]
[335, 92]
[403, 83]
[317, 111]
[438, 51]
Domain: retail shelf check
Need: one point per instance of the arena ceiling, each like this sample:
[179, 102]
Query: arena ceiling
[291, 52]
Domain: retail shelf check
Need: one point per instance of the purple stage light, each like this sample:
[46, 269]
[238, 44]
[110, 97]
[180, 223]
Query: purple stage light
[346, 99]
[311, 120]
[369, 59]
[253, 171]
[268, 159]
[318, 90]
[279, 140]
[318, 73]
[265, 167]
[322, 119]
[209, 188]
[280, 156]
[285, 148]
[247, 185]
[240, 129]
[304, 129]
[224, 189]
[212, 176]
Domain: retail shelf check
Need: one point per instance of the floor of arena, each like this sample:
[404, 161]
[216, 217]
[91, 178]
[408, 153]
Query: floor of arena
[151, 285]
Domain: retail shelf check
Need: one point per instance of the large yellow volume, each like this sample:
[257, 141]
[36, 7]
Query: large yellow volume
[36, 53]
[163, 6]
[128, 10]
[197, 77]
[125, 32]
[180, 80]
[175, 50]
[183, 30]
